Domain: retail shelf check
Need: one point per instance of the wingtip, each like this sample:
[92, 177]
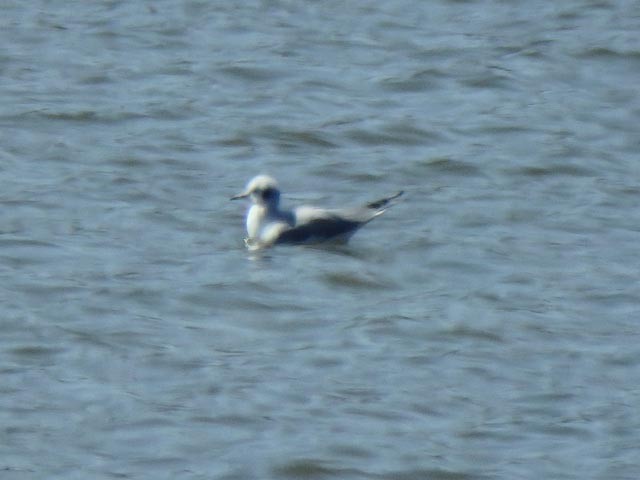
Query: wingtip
[383, 202]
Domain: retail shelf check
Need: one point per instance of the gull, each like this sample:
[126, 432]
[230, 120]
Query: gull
[268, 224]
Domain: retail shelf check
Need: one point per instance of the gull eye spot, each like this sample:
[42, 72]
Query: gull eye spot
[268, 193]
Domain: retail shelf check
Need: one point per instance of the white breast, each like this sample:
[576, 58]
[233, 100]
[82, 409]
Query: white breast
[264, 225]
[255, 218]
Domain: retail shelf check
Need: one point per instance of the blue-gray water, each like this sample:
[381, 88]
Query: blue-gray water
[486, 327]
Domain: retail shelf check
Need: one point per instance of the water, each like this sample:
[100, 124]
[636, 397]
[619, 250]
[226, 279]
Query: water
[485, 327]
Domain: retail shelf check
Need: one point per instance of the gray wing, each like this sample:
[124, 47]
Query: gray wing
[317, 225]
[320, 229]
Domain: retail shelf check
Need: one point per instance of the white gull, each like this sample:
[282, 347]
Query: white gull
[268, 224]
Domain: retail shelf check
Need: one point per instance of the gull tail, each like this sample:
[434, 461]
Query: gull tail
[383, 203]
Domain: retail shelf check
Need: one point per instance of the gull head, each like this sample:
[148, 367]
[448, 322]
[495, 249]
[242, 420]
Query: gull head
[263, 190]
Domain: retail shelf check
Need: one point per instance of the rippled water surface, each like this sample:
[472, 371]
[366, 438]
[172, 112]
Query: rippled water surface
[485, 327]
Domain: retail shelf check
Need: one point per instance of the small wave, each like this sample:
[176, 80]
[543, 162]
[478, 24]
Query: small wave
[554, 170]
